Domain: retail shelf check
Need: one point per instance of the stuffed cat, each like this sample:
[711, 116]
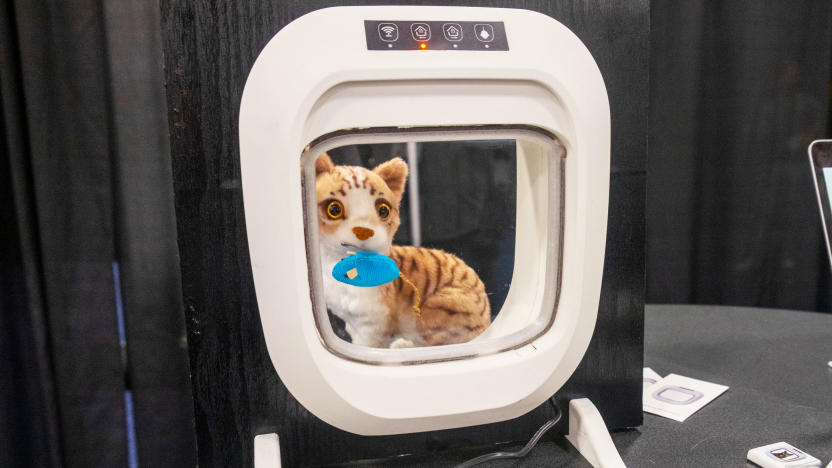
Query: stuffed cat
[358, 210]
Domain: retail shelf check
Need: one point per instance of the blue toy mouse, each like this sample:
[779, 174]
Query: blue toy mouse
[366, 269]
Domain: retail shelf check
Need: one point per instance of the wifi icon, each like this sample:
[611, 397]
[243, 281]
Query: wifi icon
[388, 32]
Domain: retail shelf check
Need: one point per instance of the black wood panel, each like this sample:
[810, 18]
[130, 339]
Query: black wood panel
[157, 363]
[611, 370]
[64, 93]
[209, 48]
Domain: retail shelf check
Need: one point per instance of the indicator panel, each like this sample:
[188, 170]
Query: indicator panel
[435, 35]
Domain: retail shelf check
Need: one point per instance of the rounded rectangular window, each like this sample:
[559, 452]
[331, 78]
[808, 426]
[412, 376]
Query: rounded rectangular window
[431, 244]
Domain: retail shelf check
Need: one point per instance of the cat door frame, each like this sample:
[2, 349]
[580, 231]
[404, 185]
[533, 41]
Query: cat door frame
[531, 305]
[316, 77]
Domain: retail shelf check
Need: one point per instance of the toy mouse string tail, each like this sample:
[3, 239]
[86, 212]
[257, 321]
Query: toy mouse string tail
[417, 297]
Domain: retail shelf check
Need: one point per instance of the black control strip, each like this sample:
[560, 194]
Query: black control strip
[436, 35]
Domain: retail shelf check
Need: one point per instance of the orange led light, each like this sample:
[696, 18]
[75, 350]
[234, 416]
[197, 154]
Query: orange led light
[423, 45]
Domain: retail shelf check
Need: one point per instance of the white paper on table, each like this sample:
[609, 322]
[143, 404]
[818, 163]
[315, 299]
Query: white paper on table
[650, 377]
[677, 397]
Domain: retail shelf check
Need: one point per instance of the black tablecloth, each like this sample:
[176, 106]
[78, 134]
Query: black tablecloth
[775, 363]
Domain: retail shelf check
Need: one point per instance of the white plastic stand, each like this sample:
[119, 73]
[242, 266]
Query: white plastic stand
[266, 451]
[589, 434]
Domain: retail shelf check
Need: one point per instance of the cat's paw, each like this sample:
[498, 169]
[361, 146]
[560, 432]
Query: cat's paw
[399, 343]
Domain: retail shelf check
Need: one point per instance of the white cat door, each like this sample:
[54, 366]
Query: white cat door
[506, 150]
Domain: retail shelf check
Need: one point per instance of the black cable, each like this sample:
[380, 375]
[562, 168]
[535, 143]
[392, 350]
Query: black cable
[522, 452]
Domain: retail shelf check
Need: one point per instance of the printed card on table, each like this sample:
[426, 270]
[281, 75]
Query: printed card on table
[677, 397]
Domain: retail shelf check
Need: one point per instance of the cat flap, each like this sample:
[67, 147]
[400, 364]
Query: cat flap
[476, 234]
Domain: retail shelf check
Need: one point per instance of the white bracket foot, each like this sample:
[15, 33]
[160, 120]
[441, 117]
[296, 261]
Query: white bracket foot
[589, 434]
[266, 451]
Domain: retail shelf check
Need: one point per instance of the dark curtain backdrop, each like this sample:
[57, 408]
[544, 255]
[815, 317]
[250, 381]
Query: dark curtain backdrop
[738, 91]
[93, 367]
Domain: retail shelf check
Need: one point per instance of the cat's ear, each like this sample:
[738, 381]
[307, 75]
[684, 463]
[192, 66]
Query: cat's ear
[394, 174]
[323, 164]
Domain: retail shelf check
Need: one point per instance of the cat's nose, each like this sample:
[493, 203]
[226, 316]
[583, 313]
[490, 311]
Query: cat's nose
[362, 233]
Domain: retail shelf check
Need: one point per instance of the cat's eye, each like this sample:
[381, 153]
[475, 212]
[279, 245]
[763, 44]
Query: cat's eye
[335, 209]
[383, 210]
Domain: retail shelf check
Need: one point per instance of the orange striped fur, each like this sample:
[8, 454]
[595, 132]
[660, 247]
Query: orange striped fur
[454, 305]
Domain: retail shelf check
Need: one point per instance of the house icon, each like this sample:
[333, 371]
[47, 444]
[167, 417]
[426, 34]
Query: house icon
[453, 31]
[420, 31]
